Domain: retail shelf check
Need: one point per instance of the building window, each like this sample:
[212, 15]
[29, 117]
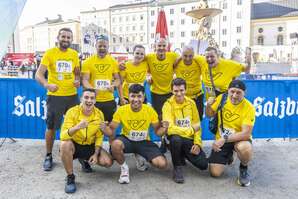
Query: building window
[133, 28]
[239, 2]
[152, 35]
[280, 29]
[224, 44]
[260, 30]
[224, 31]
[152, 23]
[224, 5]
[182, 34]
[141, 17]
[238, 29]
[213, 31]
[120, 39]
[134, 18]
[280, 40]
[260, 40]
[239, 15]
[114, 40]
[141, 27]
[224, 18]
[120, 29]
[127, 39]
[141, 38]
[171, 11]
[182, 45]
[193, 21]
[182, 21]
[193, 33]
[239, 42]
[152, 12]
[172, 22]
[114, 19]
[193, 7]
[171, 34]
[182, 10]
[127, 18]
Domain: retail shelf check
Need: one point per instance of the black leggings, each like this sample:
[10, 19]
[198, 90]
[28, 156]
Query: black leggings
[180, 148]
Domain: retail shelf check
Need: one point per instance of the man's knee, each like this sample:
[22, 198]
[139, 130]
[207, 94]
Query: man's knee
[117, 146]
[243, 148]
[160, 162]
[66, 147]
[201, 163]
[216, 170]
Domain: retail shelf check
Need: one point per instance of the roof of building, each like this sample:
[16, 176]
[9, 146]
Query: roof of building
[132, 4]
[273, 9]
[51, 21]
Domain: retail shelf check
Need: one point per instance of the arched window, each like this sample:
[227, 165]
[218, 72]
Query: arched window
[280, 40]
[261, 40]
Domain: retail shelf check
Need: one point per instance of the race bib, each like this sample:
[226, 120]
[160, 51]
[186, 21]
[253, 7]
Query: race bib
[102, 84]
[63, 66]
[185, 122]
[135, 135]
[227, 131]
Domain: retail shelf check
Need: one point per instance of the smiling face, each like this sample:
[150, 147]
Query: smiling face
[136, 100]
[236, 95]
[211, 58]
[179, 93]
[161, 48]
[102, 47]
[65, 39]
[187, 56]
[88, 100]
[138, 55]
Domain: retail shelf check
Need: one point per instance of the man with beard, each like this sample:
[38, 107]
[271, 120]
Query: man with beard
[101, 72]
[161, 67]
[136, 119]
[82, 135]
[235, 124]
[223, 71]
[62, 64]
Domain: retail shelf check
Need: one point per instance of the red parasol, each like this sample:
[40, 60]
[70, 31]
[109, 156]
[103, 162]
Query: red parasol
[162, 28]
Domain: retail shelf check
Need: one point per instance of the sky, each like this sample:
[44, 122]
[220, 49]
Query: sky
[37, 10]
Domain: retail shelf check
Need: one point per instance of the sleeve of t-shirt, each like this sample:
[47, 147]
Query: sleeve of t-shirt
[99, 135]
[154, 116]
[115, 65]
[67, 124]
[45, 60]
[117, 116]
[85, 66]
[237, 68]
[249, 118]
[215, 105]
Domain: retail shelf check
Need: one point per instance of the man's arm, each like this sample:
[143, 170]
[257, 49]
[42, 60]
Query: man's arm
[209, 111]
[161, 129]
[244, 135]
[40, 73]
[85, 81]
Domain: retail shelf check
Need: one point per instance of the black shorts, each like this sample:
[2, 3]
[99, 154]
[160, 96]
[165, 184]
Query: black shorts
[108, 109]
[83, 151]
[158, 101]
[199, 100]
[148, 149]
[57, 107]
[223, 156]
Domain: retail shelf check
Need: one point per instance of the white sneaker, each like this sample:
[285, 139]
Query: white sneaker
[141, 163]
[124, 176]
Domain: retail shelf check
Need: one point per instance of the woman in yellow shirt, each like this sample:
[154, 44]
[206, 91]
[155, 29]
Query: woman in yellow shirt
[135, 72]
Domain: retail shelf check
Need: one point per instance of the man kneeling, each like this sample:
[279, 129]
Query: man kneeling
[136, 119]
[184, 130]
[82, 136]
[234, 131]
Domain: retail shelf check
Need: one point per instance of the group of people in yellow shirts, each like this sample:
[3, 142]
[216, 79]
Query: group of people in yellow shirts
[175, 112]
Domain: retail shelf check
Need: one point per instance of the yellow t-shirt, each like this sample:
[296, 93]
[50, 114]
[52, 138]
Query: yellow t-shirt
[181, 117]
[222, 74]
[133, 75]
[234, 116]
[192, 75]
[87, 136]
[135, 125]
[162, 72]
[101, 72]
[60, 66]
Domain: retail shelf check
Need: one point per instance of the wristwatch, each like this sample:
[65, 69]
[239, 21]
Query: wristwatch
[226, 137]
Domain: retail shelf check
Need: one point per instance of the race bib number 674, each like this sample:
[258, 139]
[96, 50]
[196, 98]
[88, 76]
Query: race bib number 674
[137, 135]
